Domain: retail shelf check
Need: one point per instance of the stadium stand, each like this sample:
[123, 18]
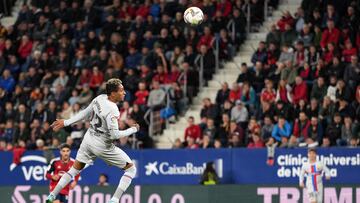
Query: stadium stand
[293, 72]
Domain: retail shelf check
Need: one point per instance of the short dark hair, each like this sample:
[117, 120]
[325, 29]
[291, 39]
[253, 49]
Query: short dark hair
[112, 85]
[62, 146]
[312, 150]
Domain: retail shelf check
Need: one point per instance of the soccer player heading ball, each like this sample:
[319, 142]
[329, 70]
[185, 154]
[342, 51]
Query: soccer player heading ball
[314, 171]
[98, 139]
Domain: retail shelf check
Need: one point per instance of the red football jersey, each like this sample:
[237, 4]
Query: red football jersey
[58, 167]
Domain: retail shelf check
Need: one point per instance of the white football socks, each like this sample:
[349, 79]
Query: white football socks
[124, 183]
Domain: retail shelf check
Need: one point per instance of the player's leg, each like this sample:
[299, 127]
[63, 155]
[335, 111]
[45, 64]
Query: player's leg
[125, 181]
[311, 193]
[119, 158]
[320, 193]
[312, 197]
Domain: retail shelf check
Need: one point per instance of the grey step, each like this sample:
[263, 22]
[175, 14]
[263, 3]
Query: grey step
[289, 7]
[257, 36]
[163, 145]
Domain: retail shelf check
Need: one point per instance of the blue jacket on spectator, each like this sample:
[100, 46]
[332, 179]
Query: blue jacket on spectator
[7, 84]
[155, 10]
[259, 56]
[277, 132]
[133, 60]
[14, 68]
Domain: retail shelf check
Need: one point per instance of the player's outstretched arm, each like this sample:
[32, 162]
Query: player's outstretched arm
[114, 131]
[60, 123]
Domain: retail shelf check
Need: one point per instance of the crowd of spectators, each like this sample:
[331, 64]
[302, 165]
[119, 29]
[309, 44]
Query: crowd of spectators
[58, 54]
[301, 90]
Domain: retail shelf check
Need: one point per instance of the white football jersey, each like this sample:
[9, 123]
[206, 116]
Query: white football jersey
[313, 172]
[104, 113]
[104, 116]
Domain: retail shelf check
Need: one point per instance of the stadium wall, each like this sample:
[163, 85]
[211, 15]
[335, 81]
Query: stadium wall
[184, 167]
[185, 194]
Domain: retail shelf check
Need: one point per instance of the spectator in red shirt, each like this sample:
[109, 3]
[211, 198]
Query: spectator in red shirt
[257, 142]
[174, 74]
[191, 144]
[25, 47]
[235, 92]
[207, 39]
[57, 168]
[331, 34]
[348, 52]
[268, 94]
[162, 75]
[224, 6]
[329, 53]
[301, 129]
[144, 9]
[283, 92]
[285, 19]
[2, 44]
[304, 72]
[97, 78]
[299, 90]
[193, 130]
[141, 95]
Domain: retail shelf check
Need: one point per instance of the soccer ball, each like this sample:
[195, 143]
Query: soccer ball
[193, 16]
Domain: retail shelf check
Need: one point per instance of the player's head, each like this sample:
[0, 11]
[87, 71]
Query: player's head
[65, 151]
[115, 90]
[312, 154]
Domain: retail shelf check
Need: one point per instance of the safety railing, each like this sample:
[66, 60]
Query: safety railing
[215, 46]
[199, 62]
[248, 16]
[149, 120]
[266, 9]
[182, 80]
[231, 28]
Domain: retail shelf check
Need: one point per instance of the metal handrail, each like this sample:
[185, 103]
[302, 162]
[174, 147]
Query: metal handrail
[183, 76]
[200, 58]
[266, 7]
[216, 53]
[248, 17]
[149, 122]
[231, 28]
[146, 115]
[237, 65]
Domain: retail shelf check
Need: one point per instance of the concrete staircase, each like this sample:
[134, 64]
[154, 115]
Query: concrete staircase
[228, 74]
[10, 20]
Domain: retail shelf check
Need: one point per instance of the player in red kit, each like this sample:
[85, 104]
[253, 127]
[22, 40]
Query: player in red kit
[57, 168]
